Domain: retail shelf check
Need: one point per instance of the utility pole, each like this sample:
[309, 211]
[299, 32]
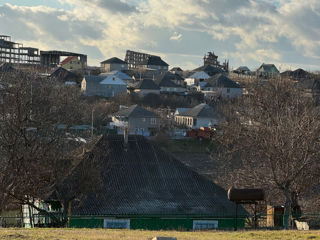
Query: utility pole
[92, 122]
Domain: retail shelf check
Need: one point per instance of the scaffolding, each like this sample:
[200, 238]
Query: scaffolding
[136, 59]
[212, 59]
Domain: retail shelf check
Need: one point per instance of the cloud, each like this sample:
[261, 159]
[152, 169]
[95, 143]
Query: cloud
[176, 36]
[247, 32]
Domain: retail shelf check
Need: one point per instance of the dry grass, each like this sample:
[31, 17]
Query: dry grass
[95, 234]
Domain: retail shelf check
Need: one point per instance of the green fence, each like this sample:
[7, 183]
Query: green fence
[157, 222]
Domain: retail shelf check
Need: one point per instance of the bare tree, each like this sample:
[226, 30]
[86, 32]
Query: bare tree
[272, 137]
[35, 153]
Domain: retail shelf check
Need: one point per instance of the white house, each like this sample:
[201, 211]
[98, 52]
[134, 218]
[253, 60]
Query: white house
[201, 115]
[196, 77]
[220, 86]
[137, 120]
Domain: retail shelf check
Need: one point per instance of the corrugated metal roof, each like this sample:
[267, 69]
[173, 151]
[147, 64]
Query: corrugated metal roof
[145, 180]
[112, 80]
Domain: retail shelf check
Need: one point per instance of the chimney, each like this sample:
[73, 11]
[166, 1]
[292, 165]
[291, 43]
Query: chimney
[125, 138]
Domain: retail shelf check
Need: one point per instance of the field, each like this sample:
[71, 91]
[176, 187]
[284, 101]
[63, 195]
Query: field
[95, 234]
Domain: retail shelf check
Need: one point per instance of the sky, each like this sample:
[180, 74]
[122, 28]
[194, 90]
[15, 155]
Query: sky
[246, 32]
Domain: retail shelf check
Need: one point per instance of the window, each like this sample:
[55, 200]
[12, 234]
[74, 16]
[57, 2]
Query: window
[116, 223]
[228, 90]
[153, 121]
[205, 224]
[143, 119]
[194, 122]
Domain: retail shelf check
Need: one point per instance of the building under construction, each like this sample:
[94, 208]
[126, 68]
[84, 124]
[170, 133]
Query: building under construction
[143, 60]
[13, 52]
[212, 59]
[52, 58]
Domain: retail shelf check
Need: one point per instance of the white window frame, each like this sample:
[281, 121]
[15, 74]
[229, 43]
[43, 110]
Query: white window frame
[205, 224]
[111, 221]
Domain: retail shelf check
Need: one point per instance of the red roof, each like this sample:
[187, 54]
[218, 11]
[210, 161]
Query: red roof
[68, 59]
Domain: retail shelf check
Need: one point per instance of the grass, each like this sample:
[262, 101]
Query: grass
[102, 234]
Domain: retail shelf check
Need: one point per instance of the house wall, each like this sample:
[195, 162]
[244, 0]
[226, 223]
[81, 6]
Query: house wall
[173, 90]
[157, 67]
[191, 81]
[144, 92]
[113, 67]
[97, 89]
[210, 93]
[157, 223]
[144, 124]
[74, 64]
[195, 123]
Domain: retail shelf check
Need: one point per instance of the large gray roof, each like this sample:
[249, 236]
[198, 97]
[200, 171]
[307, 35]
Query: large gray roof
[114, 60]
[135, 111]
[202, 110]
[147, 84]
[222, 81]
[155, 60]
[145, 180]
[166, 79]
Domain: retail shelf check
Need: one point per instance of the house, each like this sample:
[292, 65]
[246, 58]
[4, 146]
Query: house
[145, 87]
[267, 70]
[155, 63]
[297, 74]
[196, 77]
[210, 70]
[113, 64]
[143, 187]
[201, 115]
[180, 110]
[63, 75]
[242, 70]
[220, 86]
[137, 120]
[72, 63]
[104, 86]
[177, 70]
[170, 83]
